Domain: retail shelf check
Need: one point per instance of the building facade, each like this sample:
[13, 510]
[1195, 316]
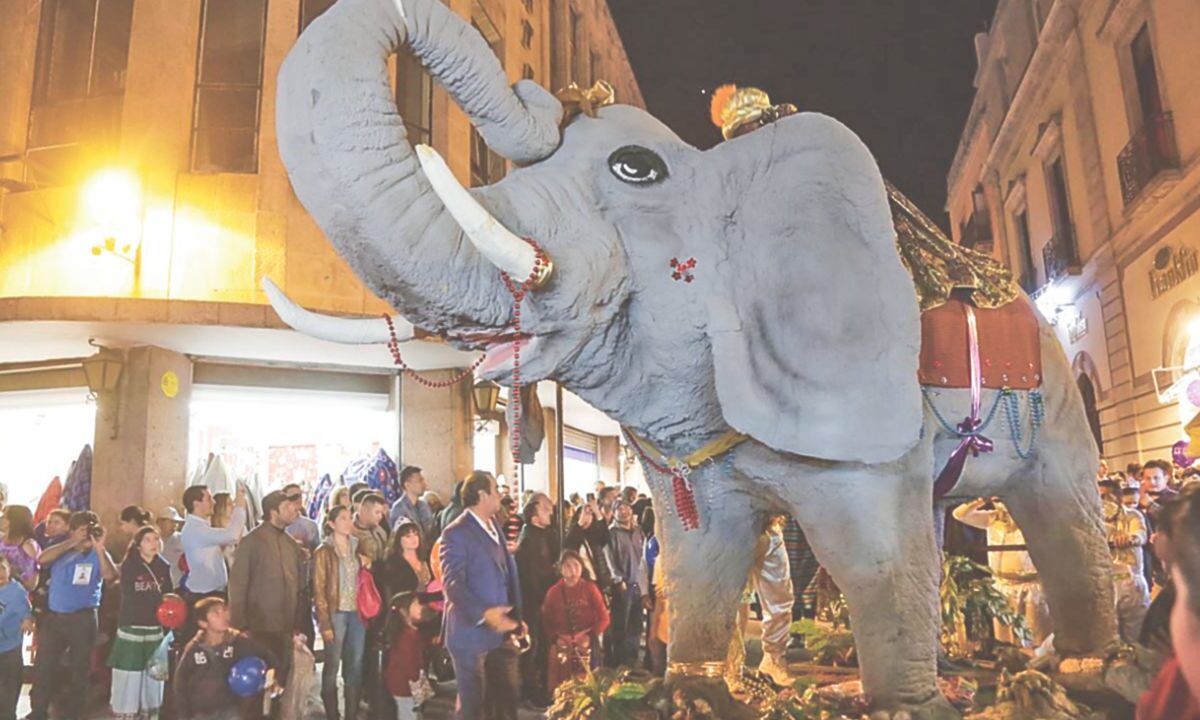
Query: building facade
[142, 199]
[1079, 167]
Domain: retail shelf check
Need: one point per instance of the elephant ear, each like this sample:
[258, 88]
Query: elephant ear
[814, 324]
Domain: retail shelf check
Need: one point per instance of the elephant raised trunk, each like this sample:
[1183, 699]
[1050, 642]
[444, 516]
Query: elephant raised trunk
[345, 149]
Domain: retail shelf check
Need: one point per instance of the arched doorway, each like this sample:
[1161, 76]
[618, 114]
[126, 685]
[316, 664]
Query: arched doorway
[1088, 391]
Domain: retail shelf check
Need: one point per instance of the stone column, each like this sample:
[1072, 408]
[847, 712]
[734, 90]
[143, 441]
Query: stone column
[437, 430]
[609, 460]
[141, 443]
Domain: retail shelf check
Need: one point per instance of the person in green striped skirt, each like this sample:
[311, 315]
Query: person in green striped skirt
[145, 577]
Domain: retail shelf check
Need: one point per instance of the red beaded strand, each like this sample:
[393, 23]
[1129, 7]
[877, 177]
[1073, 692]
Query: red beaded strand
[685, 500]
[394, 347]
[540, 265]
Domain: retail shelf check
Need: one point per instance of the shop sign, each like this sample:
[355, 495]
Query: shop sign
[1171, 267]
[1076, 328]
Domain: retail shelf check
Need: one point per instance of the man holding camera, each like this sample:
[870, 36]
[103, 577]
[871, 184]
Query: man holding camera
[78, 568]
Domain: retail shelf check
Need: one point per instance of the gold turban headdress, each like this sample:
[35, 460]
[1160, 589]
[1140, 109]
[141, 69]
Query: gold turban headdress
[735, 109]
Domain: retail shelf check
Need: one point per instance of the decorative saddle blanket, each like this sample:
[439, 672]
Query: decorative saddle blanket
[1009, 348]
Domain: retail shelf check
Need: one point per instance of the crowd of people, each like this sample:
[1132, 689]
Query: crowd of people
[487, 590]
[508, 603]
[1151, 515]
[1132, 503]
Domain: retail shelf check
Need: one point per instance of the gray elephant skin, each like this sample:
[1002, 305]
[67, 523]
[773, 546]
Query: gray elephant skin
[801, 329]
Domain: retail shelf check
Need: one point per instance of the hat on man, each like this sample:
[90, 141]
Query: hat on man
[171, 514]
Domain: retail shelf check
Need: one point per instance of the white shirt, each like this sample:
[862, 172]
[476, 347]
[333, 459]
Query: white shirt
[172, 551]
[202, 546]
[489, 527]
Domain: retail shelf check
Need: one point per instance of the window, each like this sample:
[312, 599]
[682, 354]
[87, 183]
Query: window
[414, 98]
[1027, 277]
[1145, 76]
[576, 55]
[311, 10]
[526, 35]
[581, 465]
[79, 79]
[560, 50]
[1061, 253]
[486, 166]
[228, 86]
[1151, 148]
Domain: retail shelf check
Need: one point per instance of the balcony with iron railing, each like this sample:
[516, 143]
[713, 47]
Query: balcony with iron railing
[1060, 258]
[1150, 152]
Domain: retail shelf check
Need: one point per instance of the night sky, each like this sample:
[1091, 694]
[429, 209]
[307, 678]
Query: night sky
[897, 72]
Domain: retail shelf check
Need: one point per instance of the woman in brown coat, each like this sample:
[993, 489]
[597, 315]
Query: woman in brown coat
[336, 563]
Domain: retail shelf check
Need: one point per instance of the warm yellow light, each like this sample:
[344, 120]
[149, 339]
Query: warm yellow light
[112, 201]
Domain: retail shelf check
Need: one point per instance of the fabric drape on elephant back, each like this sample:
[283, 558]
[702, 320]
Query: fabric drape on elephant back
[344, 146]
[815, 327]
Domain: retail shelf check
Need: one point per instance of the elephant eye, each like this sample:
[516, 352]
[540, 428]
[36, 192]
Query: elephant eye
[637, 165]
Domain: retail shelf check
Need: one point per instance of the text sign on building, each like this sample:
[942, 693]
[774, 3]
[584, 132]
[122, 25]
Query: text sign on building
[1171, 267]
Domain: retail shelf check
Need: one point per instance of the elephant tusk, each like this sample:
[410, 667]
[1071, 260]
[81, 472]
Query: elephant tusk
[371, 331]
[497, 243]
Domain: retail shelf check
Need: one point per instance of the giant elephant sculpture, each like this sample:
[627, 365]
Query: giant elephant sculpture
[800, 329]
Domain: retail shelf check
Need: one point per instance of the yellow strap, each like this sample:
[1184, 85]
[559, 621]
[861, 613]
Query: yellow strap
[723, 444]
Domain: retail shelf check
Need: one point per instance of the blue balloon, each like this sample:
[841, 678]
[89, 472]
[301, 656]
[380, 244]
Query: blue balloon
[248, 676]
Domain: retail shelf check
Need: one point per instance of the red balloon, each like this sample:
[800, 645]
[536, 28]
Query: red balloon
[172, 612]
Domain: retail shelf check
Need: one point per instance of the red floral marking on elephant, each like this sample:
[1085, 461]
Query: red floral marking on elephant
[682, 269]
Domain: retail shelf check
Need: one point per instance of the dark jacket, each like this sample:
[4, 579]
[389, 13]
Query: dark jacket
[537, 558]
[201, 680]
[596, 537]
[397, 575]
[142, 588]
[265, 583]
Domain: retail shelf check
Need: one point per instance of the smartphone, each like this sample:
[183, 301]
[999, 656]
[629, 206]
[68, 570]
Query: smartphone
[591, 497]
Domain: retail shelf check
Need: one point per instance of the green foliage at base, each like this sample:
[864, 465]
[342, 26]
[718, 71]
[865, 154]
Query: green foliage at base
[608, 694]
[970, 600]
[803, 702]
[829, 644]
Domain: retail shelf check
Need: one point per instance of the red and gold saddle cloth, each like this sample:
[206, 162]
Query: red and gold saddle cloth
[1009, 348]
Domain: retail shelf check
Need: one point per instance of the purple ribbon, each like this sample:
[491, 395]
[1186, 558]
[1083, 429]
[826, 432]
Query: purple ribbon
[972, 442]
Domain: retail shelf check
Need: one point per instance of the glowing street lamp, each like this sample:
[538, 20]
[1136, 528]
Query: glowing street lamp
[112, 204]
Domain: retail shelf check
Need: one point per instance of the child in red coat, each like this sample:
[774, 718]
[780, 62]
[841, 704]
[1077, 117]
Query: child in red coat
[405, 664]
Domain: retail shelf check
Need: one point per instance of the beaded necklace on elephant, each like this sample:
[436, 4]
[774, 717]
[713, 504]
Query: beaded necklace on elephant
[680, 469]
[537, 277]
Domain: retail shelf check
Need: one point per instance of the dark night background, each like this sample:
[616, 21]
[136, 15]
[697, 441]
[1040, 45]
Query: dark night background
[897, 72]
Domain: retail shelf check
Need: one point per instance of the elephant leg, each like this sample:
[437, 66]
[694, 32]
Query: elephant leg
[872, 530]
[1057, 507]
[706, 572]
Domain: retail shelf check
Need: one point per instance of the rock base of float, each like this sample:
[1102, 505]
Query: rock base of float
[1071, 689]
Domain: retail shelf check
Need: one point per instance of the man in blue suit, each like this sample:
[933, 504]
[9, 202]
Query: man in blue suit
[483, 605]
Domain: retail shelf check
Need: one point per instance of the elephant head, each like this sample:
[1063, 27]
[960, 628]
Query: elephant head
[800, 327]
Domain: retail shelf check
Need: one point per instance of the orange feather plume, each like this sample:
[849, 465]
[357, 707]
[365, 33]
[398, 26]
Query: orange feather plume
[720, 97]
